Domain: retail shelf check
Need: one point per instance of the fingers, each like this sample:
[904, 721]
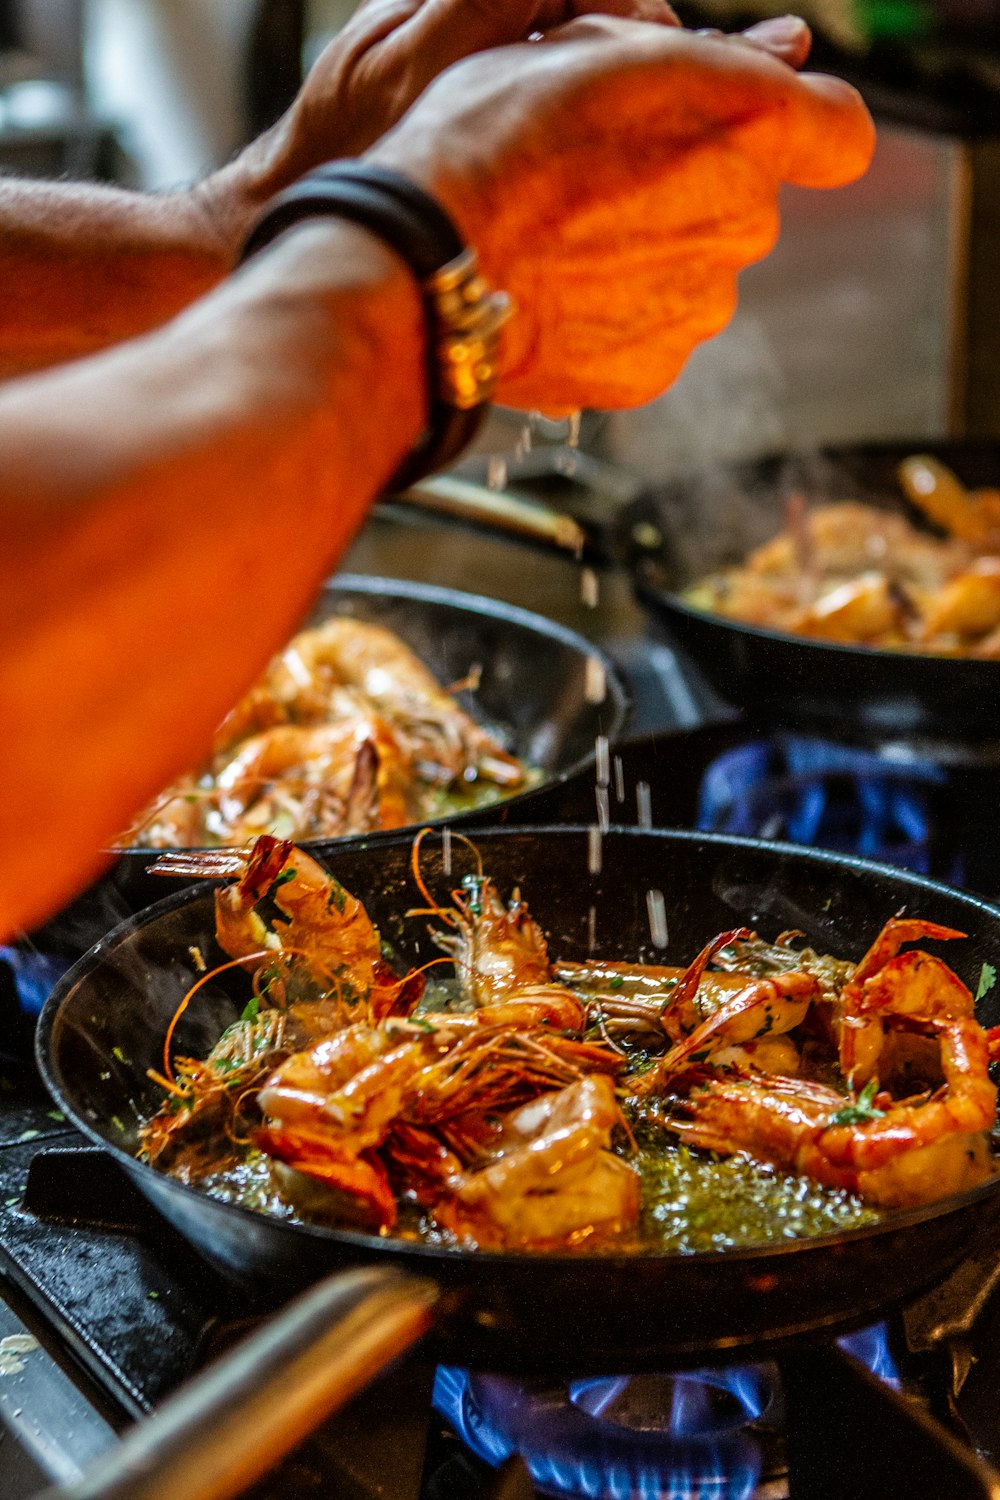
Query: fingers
[831, 136]
[636, 10]
[814, 128]
[819, 132]
[442, 32]
[785, 37]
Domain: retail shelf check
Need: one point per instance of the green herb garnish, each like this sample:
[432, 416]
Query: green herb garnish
[987, 979]
[251, 1010]
[862, 1110]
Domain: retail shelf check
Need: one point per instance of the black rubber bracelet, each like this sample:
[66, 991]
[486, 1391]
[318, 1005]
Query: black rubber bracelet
[416, 227]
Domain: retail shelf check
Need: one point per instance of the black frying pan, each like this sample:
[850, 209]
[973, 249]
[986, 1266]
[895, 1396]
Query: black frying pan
[679, 533]
[103, 1027]
[533, 691]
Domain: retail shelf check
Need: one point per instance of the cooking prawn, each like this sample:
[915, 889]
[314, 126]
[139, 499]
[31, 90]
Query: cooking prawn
[328, 1110]
[446, 741]
[512, 1107]
[346, 732]
[894, 1153]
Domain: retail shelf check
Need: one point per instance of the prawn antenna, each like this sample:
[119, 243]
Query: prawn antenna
[189, 996]
[434, 908]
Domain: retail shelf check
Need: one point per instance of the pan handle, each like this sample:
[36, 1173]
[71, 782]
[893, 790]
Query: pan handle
[461, 499]
[230, 1424]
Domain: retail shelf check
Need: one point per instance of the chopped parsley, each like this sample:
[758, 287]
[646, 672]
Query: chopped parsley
[987, 979]
[861, 1111]
[337, 897]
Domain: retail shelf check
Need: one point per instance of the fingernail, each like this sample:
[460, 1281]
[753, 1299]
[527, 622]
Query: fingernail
[778, 30]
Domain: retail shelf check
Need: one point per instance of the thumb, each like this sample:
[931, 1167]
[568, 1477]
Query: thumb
[785, 37]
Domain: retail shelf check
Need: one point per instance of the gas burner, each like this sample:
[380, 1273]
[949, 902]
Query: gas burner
[826, 795]
[707, 1434]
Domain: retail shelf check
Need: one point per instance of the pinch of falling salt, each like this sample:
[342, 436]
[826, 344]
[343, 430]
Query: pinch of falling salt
[602, 760]
[656, 910]
[595, 852]
[446, 850]
[603, 808]
[526, 436]
[619, 779]
[496, 472]
[595, 684]
[643, 805]
[589, 588]
[591, 929]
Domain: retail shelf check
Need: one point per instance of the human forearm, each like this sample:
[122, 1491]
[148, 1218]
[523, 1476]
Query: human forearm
[167, 510]
[86, 266]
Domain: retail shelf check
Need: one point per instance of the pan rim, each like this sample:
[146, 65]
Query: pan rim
[672, 600]
[367, 1244]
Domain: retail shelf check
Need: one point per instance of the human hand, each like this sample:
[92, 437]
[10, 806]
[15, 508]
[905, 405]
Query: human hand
[614, 178]
[383, 58]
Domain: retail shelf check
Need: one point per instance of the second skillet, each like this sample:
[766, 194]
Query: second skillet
[676, 535]
[537, 688]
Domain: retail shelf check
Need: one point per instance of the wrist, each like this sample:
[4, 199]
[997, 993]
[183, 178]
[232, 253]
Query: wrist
[341, 314]
[462, 315]
[231, 199]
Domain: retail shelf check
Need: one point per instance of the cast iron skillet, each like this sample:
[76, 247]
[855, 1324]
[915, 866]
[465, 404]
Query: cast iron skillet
[119, 997]
[678, 534]
[103, 1027]
[532, 691]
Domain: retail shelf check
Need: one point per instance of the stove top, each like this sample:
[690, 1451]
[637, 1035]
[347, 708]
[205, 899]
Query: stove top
[105, 1311]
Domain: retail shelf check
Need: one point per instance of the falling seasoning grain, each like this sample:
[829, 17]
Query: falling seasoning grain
[643, 805]
[595, 852]
[656, 910]
[589, 588]
[446, 850]
[603, 760]
[591, 929]
[603, 808]
[619, 779]
[595, 686]
[573, 429]
[496, 472]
